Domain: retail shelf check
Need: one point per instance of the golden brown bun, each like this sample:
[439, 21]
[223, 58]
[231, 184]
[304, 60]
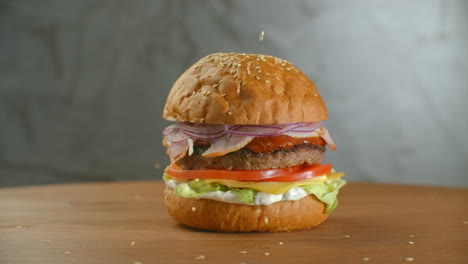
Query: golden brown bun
[232, 88]
[228, 217]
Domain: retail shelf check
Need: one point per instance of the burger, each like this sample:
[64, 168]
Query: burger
[247, 147]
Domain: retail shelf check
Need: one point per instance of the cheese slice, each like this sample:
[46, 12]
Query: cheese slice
[275, 187]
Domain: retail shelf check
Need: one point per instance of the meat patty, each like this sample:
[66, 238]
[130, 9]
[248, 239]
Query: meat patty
[245, 159]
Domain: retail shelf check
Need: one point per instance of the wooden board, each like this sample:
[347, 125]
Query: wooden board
[127, 223]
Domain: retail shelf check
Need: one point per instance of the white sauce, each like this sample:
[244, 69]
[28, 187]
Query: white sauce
[261, 198]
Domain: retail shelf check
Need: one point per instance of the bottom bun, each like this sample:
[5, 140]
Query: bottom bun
[214, 215]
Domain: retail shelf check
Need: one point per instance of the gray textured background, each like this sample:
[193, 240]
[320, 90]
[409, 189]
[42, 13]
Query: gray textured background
[83, 83]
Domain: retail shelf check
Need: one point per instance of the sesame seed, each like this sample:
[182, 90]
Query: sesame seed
[208, 93]
[230, 64]
[243, 252]
[193, 93]
[283, 64]
[256, 77]
[238, 90]
[238, 64]
[194, 209]
[259, 71]
[67, 253]
[410, 242]
[280, 243]
[266, 220]
[197, 66]
[19, 227]
[288, 68]
[202, 120]
[257, 67]
[347, 236]
[267, 73]
[262, 35]
[215, 85]
[235, 76]
[267, 253]
[200, 257]
[365, 258]
[315, 94]
[136, 262]
[221, 81]
[133, 243]
[411, 235]
[465, 222]
[229, 113]
[409, 259]
[233, 71]
[267, 81]
[277, 78]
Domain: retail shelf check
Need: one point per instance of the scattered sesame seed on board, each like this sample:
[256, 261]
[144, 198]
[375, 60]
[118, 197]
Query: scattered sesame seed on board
[267, 253]
[465, 222]
[411, 236]
[132, 243]
[243, 252]
[410, 242]
[409, 259]
[136, 262]
[19, 227]
[201, 257]
[67, 252]
[366, 258]
[194, 209]
[347, 236]
[280, 243]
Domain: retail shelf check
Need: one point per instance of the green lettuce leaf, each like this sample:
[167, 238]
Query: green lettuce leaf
[325, 191]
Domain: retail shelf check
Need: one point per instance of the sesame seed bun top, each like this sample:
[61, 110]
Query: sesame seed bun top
[233, 88]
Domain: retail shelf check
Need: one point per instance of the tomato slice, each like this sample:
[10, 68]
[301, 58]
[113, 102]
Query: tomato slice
[291, 174]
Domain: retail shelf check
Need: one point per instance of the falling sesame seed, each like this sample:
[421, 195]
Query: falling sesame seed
[132, 243]
[256, 77]
[200, 257]
[267, 253]
[409, 259]
[243, 252]
[262, 35]
[366, 258]
[194, 209]
[410, 242]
